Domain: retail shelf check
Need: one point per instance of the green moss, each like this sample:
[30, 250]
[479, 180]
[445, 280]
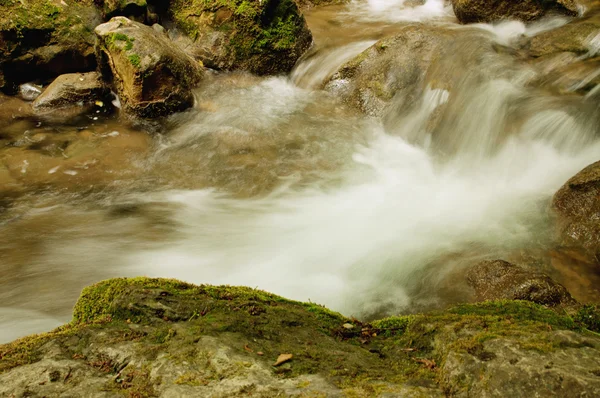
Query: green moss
[135, 60]
[114, 40]
[166, 316]
[588, 317]
[257, 30]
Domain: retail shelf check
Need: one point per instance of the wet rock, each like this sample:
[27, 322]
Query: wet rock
[29, 91]
[577, 205]
[151, 76]
[156, 337]
[498, 279]
[262, 37]
[580, 37]
[76, 91]
[416, 81]
[469, 11]
[42, 39]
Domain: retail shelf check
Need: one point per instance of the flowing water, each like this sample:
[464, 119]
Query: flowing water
[276, 184]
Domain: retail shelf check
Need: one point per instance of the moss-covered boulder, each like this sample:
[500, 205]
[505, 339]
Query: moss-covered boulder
[577, 206]
[469, 11]
[151, 75]
[155, 337]
[41, 39]
[262, 37]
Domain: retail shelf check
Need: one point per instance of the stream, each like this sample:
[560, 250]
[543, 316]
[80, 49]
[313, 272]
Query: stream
[275, 183]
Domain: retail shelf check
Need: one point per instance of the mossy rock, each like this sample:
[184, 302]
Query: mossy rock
[262, 37]
[154, 337]
[152, 76]
[41, 39]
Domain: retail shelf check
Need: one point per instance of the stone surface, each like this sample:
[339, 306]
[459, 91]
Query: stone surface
[577, 205]
[41, 39]
[73, 89]
[469, 11]
[151, 75]
[498, 279]
[153, 337]
[262, 37]
[578, 37]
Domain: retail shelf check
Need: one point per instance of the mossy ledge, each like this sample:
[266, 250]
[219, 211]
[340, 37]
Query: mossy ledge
[153, 336]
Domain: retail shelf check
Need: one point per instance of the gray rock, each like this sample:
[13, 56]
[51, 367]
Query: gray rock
[506, 367]
[151, 76]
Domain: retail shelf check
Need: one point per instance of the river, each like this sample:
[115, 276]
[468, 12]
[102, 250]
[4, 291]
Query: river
[277, 184]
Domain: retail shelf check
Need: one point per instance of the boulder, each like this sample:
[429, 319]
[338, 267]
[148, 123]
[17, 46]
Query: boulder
[73, 90]
[157, 337]
[151, 75]
[577, 206]
[498, 279]
[132, 9]
[262, 37]
[41, 39]
[469, 11]
[577, 37]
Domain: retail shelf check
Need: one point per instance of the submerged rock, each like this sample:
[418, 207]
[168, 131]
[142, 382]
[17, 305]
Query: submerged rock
[262, 37]
[498, 279]
[156, 337]
[577, 205]
[151, 76]
[469, 11]
[44, 38]
[78, 91]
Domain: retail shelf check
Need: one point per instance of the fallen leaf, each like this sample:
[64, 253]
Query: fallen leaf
[282, 358]
[409, 349]
[248, 348]
[259, 353]
[429, 363]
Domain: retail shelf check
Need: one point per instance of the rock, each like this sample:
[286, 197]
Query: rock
[577, 206]
[151, 76]
[158, 337]
[508, 368]
[498, 279]
[469, 11]
[29, 91]
[132, 9]
[262, 37]
[41, 39]
[416, 82]
[74, 90]
[577, 37]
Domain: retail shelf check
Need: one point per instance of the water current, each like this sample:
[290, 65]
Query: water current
[277, 184]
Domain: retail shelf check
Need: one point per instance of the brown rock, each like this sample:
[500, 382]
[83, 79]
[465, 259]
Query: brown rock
[151, 75]
[498, 279]
[73, 89]
[469, 11]
[577, 205]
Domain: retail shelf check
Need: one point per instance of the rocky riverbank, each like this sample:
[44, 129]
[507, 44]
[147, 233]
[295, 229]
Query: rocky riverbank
[156, 337]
